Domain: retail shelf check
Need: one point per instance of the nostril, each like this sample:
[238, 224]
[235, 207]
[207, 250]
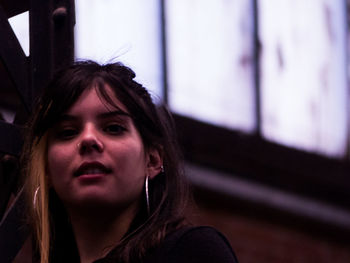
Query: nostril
[90, 145]
[96, 147]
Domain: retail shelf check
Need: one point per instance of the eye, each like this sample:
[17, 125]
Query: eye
[114, 129]
[67, 133]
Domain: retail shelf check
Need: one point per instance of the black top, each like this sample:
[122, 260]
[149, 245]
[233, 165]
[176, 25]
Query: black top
[189, 245]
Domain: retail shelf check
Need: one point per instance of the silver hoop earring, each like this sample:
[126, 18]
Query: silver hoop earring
[162, 169]
[35, 196]
[147, 196]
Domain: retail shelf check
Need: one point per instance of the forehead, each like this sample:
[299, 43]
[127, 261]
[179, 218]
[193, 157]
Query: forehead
[100, 99]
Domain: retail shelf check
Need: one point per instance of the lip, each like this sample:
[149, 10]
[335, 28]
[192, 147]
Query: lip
[84, 167]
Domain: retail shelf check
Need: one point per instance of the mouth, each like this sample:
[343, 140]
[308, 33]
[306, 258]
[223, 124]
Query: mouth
[91, 168]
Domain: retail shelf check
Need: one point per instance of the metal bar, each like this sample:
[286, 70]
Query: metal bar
[13, 232]
[63, 16]
[14, 7]
[257, 48]
[8, 180]
[164, 51]
[10, 138]
[14, 59]
[347, 24]
[51, 40]
[41, 46]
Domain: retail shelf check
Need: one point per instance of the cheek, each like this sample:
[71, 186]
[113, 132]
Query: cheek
[58, 160]
[134, 157]
[130, 164]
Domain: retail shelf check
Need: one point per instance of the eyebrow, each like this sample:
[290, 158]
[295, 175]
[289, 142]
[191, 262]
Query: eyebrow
[103, 115]
[109, 114]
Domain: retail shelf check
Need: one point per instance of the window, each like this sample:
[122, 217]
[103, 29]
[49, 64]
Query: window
[303, 74]
[210, 61]
[126, 31]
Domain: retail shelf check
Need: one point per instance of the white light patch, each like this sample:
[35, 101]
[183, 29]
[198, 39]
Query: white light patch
[20, 26]
[303, 74]
[126, 31]
[210, 61]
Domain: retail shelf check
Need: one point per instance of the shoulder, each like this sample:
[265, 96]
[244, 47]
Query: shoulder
[195, 244]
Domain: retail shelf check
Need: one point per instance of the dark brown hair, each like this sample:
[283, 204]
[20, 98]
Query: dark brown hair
[168, 190]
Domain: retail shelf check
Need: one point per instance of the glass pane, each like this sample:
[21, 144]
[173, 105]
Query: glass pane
[303, 74]
[20, 26]
[210, 61]
[126, 31]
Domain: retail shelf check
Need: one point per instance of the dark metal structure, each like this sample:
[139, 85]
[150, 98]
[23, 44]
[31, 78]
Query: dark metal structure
[51, 24]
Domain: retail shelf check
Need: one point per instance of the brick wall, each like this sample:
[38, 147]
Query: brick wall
[257, 239]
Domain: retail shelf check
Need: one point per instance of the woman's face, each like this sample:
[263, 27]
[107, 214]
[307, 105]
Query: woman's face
[96, 156]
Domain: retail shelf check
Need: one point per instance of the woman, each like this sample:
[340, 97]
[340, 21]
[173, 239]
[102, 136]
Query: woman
[104, 181]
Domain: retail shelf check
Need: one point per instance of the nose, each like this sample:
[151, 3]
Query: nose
[90, 141]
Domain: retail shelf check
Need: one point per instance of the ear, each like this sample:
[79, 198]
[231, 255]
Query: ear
[154, 163]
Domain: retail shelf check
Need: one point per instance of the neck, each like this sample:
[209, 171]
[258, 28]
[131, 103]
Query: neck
[96, 234]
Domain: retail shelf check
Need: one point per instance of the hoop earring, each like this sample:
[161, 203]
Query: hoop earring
[162, 169]
[147, 196]
[35, 196]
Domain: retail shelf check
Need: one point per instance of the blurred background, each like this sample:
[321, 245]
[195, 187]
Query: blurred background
[260, 95]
